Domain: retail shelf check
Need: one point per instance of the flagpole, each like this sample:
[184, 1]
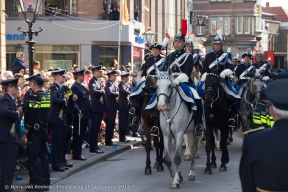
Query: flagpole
[119, 33]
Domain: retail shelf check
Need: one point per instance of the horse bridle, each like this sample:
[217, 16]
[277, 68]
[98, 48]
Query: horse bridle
[211, 89]
[167, 97]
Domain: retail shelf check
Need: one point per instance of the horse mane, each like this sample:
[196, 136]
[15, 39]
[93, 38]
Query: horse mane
[250, 86]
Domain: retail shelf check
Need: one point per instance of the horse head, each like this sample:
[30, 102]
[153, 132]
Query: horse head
[164, 89]
[150, 85]
[255, 85]
[212, 86]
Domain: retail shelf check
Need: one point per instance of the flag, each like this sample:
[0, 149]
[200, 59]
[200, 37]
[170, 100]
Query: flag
[124, 13]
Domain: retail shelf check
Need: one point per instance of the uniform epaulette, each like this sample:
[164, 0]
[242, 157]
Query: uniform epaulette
[253, 130]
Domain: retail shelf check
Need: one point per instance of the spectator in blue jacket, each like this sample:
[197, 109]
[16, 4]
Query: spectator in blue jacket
[18, 64]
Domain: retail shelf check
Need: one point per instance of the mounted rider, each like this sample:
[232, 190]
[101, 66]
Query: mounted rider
[264, 66]
[181, 64]
[148, 68]
[220, 61]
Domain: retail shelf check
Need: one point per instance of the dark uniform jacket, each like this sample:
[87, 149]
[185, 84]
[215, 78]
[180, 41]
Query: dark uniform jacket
[57, 103]
[239, 70]
[83, 102]
[264, 159]
[197, 61]
[17, 65]
[186, 68]
[258, 65]
[211, 57]
[150, 62]
[26, 97]
[111, 96]
[96, 92]
[8, 116]
[262, 116]
[123, 95]
[37, 110]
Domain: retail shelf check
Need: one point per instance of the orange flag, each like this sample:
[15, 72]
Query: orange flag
[124, 13]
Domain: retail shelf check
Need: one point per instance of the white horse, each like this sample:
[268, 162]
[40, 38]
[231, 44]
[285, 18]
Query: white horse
[175, 121]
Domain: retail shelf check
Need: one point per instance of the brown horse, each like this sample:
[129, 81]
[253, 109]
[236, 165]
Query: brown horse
[149, 90]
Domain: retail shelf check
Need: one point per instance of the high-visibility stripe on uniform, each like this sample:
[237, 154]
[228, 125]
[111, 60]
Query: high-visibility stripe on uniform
[42, 104]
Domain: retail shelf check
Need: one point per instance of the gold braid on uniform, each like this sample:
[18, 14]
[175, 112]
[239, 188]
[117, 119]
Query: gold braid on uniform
[253, 130]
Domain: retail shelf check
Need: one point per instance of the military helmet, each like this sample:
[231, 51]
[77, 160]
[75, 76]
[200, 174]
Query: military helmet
[259, 54]
[156, 46]
[217, 40]
[179, 36]
[246, 54]
[234, 59]
[189, 43]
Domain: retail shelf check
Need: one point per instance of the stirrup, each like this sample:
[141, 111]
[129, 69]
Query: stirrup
[199, 130]
[132, 111]
[136, 121]
[231, 122]
[154, 131]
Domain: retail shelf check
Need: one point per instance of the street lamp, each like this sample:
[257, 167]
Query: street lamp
[30, 9]
[148, 36]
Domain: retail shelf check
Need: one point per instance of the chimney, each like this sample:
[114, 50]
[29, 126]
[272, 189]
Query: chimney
[268, 4]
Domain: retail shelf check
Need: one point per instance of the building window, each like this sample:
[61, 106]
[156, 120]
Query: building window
[137, 10]
[137, 58]
[244, 25]
[220, 22]
[107, 55]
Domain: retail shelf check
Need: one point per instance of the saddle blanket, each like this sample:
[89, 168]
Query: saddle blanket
[138, 89]
[183, 90]
[235, 91]
[200, 90]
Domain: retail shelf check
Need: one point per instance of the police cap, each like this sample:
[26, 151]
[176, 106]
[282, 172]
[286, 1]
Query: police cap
[10, 82]
[32, 76]
[60, 72]
[112, 72]
[277, 93]
[80, 72]
[154, 45]
[246, 54]
[125, 74]
[38, 80]
[189, 43]
[98, 67]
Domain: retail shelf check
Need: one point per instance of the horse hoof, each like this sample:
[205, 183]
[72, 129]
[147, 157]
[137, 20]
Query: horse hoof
[213, 165]
[191, 178]
[148, 171]
[143, 144]
[230, 139]
[160, 168]
[208, 172]
[218, 149]
[175, 186]
[187, 158]
[203, 138]
[228, 143]
[197, 156]
[223, 168]
[227, 161]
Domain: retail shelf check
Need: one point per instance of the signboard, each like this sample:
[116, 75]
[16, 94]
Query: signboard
[15, 37]
[191, 17]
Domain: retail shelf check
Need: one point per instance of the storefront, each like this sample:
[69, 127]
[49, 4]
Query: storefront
[62, 44]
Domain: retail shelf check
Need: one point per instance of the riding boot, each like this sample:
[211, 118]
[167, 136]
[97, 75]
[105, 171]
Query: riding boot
[198, 120]
[155, 129]
[233, 113]
[136, 119]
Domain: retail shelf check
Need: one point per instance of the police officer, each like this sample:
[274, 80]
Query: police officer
[244, 70]
[29, 92]
[57, 120]
[98, 104]
[182, 73]
[196, 58]
[69, 120]
[123, 106]
[148, 68]
[82, 113]
[128, 67]
[111, 106]
[259, 60]
[259, 65]
[9, 142]
[36, 133]
[261, 115]
[263, 163]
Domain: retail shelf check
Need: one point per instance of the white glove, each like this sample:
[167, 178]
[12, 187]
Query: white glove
[226, 73]
[231, 76]
[176, 81]
[263, 67]
[266, 78]
[143, 78]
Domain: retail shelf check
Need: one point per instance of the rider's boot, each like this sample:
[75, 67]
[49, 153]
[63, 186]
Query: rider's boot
[198, 120]
[136, 119]
[155, 129]
[233, 113]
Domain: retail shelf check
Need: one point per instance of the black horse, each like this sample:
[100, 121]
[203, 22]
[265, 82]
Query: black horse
[217, 116]
[149, 90]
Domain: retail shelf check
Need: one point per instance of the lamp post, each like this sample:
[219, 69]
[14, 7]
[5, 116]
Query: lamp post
[30, 9]
[149, 37]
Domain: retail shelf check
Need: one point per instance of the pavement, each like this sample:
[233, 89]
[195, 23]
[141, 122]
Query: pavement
[92, 159]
